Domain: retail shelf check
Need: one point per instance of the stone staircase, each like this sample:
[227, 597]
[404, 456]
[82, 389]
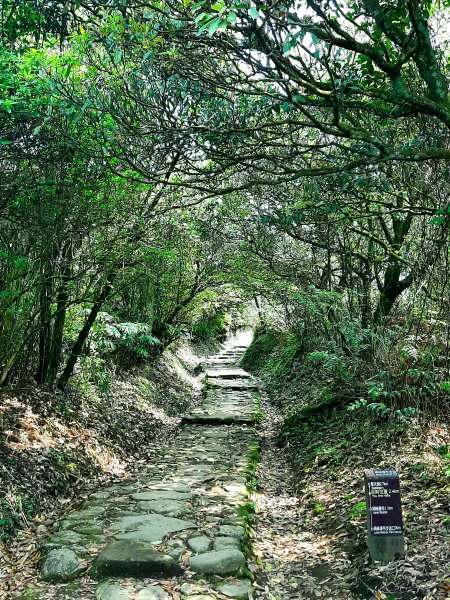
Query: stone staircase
[180, 528]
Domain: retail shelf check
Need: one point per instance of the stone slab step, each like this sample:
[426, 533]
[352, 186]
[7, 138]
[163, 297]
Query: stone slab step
[220, 419]
[232, 384]
[134, 559]
[219, 361]
[227, 373]
[181, 511]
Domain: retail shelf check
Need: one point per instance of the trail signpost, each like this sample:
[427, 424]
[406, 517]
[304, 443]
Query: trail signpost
[384, 515]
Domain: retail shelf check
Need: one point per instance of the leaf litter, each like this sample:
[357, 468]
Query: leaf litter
[310, 531]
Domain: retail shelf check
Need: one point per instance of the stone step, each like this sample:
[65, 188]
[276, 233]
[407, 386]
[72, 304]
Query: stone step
[231, 384]
[227, 373]
[221, 419]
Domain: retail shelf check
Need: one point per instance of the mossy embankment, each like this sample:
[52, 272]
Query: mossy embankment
[329, 441]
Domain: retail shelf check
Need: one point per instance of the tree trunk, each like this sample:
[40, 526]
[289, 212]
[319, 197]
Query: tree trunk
[54, 358]
[45, 317]
[82, 336]
[392, 288]
[58, 330]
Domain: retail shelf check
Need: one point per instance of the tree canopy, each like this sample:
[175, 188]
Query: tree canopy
[159, 157]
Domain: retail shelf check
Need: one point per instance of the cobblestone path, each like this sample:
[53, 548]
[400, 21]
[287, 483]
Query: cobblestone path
[178, 530]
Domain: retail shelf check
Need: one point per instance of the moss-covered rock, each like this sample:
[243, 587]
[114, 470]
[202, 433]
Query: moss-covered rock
[61, 565]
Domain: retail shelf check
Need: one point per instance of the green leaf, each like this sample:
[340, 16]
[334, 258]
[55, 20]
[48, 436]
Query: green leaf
[200, 17]
[254, 12]
[287, 107]
[205, 25]
[219, 6]
[286, 46]
[214, 25]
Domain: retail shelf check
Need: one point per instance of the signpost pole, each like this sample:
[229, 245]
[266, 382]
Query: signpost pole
[384, 515]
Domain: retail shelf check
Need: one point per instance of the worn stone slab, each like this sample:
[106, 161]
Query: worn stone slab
[225, 406]
[199, 544]
[231, 383]
[112, 591]
[221, 543]
[68, 538]
[238, 590]
[219, 419]
[87, 514]
[159, 524]
[227, 373]
[169, 486]
[220, 562]
[100, 495]
[134, 559]
[232, 531]
[153, 592]
[162, 495]
[169, 508]
[193, 588]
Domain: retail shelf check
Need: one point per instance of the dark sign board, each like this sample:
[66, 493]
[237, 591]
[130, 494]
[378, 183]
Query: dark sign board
[384, 514]
[384, 504]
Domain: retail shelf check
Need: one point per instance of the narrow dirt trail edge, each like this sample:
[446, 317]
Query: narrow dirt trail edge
[288, 550]
[180, 528]
[279, 544]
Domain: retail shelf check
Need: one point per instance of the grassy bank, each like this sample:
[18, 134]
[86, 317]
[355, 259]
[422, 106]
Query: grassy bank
[329, 446]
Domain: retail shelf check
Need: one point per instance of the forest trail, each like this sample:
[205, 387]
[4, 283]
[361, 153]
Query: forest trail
[179, 529]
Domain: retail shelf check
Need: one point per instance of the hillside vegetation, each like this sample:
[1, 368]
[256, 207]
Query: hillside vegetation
[333, 428]
[174, 171]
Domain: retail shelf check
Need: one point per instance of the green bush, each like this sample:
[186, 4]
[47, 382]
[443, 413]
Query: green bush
[212, 327]
[127, 343]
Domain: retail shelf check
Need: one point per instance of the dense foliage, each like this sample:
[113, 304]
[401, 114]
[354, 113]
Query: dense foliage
[165, 163]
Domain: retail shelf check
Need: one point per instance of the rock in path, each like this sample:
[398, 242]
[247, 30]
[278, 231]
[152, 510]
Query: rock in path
[220, 562]
[199, 544]
[238, 589]
[138, 559]
[62, 564]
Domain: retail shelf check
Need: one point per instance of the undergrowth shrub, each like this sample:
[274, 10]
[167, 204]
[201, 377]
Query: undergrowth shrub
[272, 354]
[212, 326]
[379, 372]
[123, 343]
[131, 343]
[280, 360]
[93, 374]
